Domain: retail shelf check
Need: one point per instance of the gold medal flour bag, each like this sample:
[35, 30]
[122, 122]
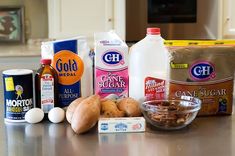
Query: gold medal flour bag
[206, 72]
[70, 58]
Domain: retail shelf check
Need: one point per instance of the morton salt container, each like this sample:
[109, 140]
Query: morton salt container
[18, 93]
[148, 67]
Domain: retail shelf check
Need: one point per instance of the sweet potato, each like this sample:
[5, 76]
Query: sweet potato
[86, 114]
[130, 107]
[109, 109]
[71, 108]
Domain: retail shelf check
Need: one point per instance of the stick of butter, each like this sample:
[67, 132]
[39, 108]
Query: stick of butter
[120, 125]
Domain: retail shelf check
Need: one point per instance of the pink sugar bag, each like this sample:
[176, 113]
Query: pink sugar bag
[111, 66]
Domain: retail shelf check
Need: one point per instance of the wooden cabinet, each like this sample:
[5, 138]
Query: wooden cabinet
[69, 18]
[228, 22]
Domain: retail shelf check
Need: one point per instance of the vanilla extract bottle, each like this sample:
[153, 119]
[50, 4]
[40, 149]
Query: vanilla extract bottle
[46, 82]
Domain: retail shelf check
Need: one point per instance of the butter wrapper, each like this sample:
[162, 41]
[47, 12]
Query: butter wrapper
[120, 125]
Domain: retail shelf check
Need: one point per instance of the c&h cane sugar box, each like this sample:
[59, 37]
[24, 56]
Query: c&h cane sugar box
[111, 65]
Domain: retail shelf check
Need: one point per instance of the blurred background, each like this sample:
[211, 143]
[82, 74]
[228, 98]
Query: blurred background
[24, 24]
[181, 19]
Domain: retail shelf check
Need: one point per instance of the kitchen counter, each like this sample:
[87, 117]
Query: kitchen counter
[206, 136]
[25, 56]
[20, 50]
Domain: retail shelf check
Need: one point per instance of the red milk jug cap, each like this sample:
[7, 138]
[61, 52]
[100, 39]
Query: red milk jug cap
[153, 31]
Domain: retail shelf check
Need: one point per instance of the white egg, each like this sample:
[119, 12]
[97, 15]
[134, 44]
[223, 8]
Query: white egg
[34, 115]
[56, 115]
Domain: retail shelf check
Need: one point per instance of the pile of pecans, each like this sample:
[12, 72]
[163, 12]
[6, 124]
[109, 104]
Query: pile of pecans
[169, 114]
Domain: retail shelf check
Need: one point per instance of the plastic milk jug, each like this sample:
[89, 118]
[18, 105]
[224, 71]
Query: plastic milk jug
[148, 67]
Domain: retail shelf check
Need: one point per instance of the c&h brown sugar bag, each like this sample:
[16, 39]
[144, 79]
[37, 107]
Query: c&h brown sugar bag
[206, 72]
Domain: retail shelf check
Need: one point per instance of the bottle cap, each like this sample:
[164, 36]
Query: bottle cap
[45, 61]
[153, 31]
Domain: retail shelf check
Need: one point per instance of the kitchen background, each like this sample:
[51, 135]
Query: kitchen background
[54, 19]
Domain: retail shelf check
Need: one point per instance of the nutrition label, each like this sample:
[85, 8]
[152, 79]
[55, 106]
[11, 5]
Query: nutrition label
[47, 92]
